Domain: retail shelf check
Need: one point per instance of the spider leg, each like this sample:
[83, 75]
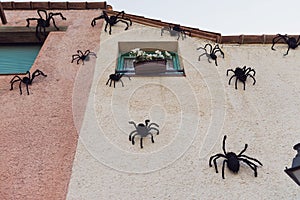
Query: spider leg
[114, 84]
[216, 62]
[74, 57]
[236, 80]
[122, 82]
[251, 165]
[224, 144]
[223, 167]
[287, 52]
[27, 89]
[214, 159]
[155, 124]
[13, 81]
[110, 29]
[229, 70]
[131, 134]
[246, 146]
[141, 142]
[178, 33]
[208, 58]
[44, 11]
[108, 81]
[251, 159]
[37, 32]
[164, 29]
[230, 79]
[202, 55]
[20, 88]
[277, 39]
[53, 21]
[254, 81]
[219, 50]
[210, 47]
[152, 128]
[247, 71]
[111, 82]
[132, 138]
[30, 19]
[105, 29]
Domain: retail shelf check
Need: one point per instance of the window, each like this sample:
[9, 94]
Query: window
[170, 67]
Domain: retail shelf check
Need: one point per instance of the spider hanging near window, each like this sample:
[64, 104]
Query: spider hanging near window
[176, 30]
[212, 52]
[116, 77]
[82, 56]
[112, 20]
[44, 23]
[27, 80]
[233, 160]
[241, 74]
[292, 42]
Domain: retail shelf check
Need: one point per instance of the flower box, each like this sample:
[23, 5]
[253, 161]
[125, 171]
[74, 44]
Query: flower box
[150, 67]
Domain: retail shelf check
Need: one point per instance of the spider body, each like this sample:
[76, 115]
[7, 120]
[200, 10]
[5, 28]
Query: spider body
[143, 130]
[233, 160]
[112, 20]
[176, 30]
[241, 74]
[212, 52]
[116, 77]
[44, 23]
[82, 56]
[27, 80]
[292, 42]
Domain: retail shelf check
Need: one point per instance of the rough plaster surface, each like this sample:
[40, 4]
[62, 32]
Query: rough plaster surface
[194, 113]
[38, 134]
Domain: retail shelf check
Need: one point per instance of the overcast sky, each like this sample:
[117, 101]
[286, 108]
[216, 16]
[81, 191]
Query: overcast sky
[227, 17]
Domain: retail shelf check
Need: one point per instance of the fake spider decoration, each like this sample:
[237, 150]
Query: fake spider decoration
[292, 42]
[212, 52]
[176, 30]
[44, 23]
[27, 80]
[233, 160]
[241, 74]
[116, 77]
[112, 20]
[143, 130]
[82, 56]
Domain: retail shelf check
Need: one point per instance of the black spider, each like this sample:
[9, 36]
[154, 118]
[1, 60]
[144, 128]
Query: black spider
[290, 41]
[112, 20]
[177, 30]
[233, 160]
[241, 74]
[212, 52]
[26, 80]
[82, 56]
[115, 78]
[44, 23]
[143, 130]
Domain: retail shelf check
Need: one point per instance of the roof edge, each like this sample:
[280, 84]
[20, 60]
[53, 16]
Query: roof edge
[54, 5]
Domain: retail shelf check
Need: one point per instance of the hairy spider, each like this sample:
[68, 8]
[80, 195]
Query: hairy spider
[212, 52]
[290, 41]
[26, 80]
[112, 20]
[143, 130]
[241, 74]
[176, 30]
[233, 160]
[82, 56]
[44, 23]
[115, 78]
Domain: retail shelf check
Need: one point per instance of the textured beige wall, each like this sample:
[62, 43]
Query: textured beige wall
[194, 113]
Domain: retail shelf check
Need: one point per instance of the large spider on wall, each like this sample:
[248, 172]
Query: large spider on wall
[27, 80]
[212, 52]
[241, 74]
[112, 20]
[44, 23]
[82, 56]
[292, 42]
[143, 130]
[176, 30]
[116, 77]
[233, 160]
